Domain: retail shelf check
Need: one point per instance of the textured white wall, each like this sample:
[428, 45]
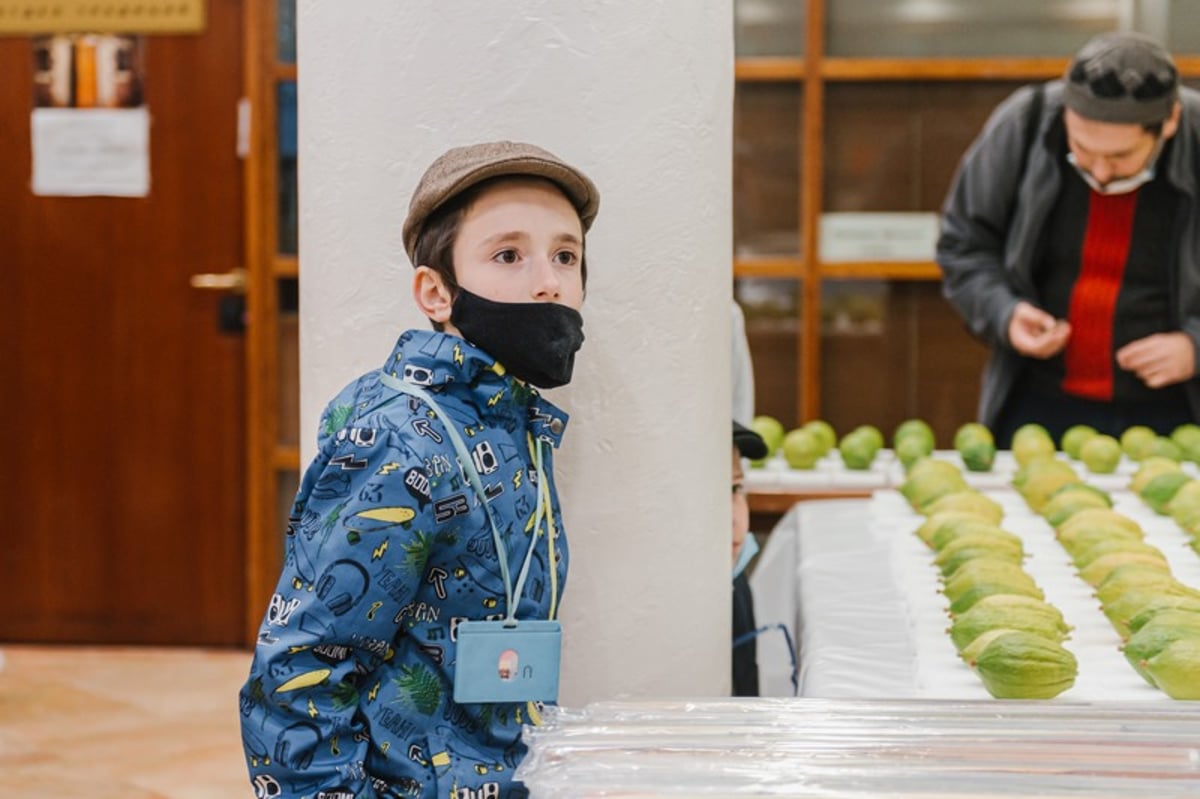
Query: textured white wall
[639, 95]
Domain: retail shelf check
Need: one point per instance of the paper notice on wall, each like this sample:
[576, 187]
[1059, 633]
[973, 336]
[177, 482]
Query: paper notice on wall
[81, 152]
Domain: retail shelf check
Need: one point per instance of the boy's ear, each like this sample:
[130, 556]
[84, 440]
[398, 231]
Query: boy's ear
[431, 294]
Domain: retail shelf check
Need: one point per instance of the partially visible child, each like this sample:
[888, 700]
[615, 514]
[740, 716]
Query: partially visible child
[429, 519]
[746, 444]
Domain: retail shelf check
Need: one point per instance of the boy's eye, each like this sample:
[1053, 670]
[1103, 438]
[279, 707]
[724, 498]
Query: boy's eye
[506, 256]
[566, 258]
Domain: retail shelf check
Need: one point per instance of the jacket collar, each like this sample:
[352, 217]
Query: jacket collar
[438, 361]
[1181, 166]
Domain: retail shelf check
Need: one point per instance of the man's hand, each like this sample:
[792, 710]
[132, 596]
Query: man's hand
[1035, 333]
[1159, 360]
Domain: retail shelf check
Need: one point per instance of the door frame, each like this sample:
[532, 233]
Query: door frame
[266, 458]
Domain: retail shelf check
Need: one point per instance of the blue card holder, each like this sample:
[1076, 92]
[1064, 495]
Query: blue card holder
[507, 664]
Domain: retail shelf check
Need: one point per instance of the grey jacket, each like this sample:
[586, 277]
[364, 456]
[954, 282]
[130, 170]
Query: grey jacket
[987, 261]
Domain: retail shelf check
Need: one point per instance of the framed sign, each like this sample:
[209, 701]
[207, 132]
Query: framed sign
[900, 236]
[25, 17]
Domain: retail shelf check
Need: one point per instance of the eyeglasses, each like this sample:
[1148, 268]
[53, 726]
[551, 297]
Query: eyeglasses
[1111, 84]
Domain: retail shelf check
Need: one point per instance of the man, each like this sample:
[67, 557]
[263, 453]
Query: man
[1070, 243]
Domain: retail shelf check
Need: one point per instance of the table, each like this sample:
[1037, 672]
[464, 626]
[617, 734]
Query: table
[859, 592]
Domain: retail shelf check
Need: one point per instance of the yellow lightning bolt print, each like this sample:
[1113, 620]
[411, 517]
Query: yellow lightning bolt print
[312, 709]
[458, 356]
[374, 692]
[388, 468]
[377, 553]
[294, 649]
[385, 746]
[334, 748]
[492, 401]
[517, 478]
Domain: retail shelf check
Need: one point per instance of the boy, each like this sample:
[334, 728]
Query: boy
[746, 444]
[431, 504]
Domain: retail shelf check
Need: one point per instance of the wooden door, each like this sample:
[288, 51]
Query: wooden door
[121, 402]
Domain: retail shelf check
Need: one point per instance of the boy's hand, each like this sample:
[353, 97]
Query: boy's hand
[1035, 333]
[1159, 360]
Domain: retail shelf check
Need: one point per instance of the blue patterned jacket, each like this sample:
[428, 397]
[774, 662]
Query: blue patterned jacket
[388, 549]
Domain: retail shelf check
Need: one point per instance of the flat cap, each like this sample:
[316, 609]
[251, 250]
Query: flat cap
[460, 168]
[1124, 78]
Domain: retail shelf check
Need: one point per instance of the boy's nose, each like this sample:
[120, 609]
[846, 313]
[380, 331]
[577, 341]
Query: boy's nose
[546, 285]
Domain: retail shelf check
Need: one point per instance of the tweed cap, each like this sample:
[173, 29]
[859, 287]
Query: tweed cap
[1125, 78]
[460, 168]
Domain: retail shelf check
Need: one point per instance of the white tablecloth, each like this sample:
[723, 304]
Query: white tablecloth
[860, 593]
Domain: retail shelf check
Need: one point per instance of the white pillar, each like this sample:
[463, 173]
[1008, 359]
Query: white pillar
[639, 95]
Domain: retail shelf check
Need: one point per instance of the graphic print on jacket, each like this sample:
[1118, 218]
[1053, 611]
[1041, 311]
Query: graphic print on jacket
[388, 550]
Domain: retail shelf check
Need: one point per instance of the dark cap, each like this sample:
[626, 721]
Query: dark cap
[749, 443]
[459, 169]
[1123, 78]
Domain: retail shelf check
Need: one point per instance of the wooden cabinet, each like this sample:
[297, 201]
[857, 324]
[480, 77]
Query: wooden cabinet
[867, 106]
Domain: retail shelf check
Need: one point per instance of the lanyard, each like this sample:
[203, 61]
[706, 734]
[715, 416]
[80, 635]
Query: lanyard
[468, 468]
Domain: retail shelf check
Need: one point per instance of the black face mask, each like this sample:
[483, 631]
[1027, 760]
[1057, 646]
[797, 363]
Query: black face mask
[535, 341]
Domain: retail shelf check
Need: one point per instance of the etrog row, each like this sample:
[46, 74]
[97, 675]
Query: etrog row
[913, 439]
[1002, 626]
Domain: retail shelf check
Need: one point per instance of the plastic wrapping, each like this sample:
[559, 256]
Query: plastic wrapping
[845, 749]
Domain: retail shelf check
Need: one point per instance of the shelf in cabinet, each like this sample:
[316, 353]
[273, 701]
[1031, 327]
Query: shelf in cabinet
[766, 69]
[781, 68]
[286, 266]
[889, 69]
[881, 270]
[285, 458]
